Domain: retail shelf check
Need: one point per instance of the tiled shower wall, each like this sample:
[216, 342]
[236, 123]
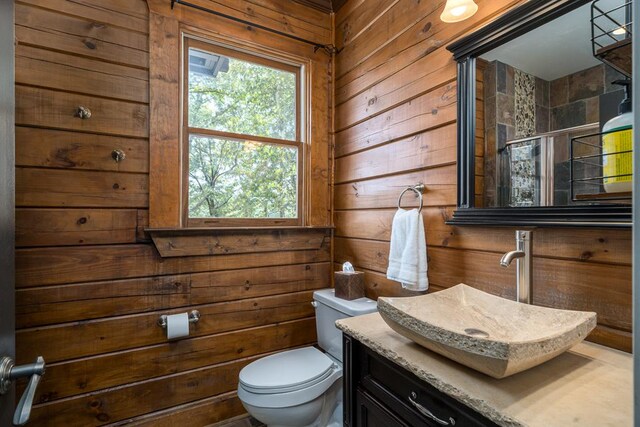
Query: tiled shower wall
[574, 101]
[519, 105]
[516, 106]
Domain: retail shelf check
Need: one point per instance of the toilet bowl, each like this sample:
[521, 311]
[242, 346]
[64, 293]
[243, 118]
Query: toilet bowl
[303, 387]
[300, 389]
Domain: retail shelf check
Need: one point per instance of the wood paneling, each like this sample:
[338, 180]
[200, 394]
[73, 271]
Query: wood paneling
[197, 413]
[141, 397]
[288, 17]
[383, 192]
[233, 284]
[53, 109]
[396, 19]
[349, 27]
[69, 188]
[585, 245]
[431, 148]
[126, 14]
[433, 109]
[384, 95]
[92, 31]
[74, 150]
[53, 70]
[395, 126]
[407, 49]
[319, 161]
[164, 142]
[58, 227]
[90, 283]
[118, 333]
[80, 45]
[324, 5]
[74, 302]
[81, 264]
[85, 375]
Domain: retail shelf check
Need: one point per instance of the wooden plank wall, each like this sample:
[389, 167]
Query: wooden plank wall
[395, 126]
[90, 287]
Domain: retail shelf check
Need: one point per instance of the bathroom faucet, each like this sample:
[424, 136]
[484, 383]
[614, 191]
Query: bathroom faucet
[506, 259]
[524, 265]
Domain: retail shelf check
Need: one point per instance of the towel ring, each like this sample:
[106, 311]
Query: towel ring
[418, 189]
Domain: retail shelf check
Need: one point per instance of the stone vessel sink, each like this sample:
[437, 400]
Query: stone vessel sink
[490, 334]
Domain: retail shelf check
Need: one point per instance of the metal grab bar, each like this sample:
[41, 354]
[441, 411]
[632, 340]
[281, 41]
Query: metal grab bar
[573, 129]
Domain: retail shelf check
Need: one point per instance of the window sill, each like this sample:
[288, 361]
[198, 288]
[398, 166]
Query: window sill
[178, 242]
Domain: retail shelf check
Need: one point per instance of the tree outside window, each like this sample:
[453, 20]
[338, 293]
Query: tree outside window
[243, 136]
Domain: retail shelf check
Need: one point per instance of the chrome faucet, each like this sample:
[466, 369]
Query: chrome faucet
[524, 265]
[506, 259]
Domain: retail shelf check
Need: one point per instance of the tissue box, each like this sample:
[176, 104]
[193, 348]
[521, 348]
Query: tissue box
[349, 285]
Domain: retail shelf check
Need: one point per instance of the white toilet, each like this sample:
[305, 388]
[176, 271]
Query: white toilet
[303, 387]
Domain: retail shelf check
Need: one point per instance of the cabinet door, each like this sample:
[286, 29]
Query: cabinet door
[372, 414]
[413, 400]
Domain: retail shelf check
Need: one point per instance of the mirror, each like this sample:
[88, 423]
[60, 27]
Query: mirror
[537, 87]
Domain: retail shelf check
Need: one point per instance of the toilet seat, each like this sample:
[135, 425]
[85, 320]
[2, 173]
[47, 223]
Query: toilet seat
[287, 379]
[286, 371]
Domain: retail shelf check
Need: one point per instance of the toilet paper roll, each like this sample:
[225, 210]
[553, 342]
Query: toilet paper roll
[177, 325]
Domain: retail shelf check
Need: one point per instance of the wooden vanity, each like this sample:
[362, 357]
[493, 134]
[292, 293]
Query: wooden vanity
[381, 393]
[391, 381]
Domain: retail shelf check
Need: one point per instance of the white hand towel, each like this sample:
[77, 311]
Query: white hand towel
[408, 251]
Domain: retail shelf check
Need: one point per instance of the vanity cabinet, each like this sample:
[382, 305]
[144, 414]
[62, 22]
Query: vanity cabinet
[378, 392]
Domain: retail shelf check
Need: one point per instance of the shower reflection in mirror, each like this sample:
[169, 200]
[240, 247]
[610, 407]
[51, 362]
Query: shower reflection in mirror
[542, 100]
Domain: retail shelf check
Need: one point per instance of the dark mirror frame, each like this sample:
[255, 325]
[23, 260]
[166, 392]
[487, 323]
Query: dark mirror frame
[513, 24]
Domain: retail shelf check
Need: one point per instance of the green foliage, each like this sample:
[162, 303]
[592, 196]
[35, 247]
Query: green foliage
[243, 179]
[248, 99]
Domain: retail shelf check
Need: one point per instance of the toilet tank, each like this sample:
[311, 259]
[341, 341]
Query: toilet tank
[329, 308]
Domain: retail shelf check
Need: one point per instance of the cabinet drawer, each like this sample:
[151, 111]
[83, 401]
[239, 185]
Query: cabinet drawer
[372, 413]
[413, 400]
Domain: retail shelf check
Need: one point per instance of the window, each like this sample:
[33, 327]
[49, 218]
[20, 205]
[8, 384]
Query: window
[242, 140]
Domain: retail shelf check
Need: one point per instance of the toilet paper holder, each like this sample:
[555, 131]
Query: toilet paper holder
[194, 316]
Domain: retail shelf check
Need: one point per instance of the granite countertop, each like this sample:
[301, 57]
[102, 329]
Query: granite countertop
[589, 385]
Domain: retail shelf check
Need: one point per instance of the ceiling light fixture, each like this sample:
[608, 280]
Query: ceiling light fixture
[458, 10]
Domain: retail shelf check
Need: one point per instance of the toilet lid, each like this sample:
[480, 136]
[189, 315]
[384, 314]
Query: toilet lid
[287, 371]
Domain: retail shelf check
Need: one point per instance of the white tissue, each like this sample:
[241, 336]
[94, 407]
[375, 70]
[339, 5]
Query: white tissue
[347, 267]
[177, 325]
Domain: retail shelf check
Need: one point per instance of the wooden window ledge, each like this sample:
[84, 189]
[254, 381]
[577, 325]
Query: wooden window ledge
[179, 242]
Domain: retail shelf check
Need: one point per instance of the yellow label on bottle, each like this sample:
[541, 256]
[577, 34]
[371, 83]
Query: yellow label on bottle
[617, 167]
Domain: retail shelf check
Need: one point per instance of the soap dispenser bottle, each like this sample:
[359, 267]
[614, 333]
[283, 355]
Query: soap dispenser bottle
[618, 168]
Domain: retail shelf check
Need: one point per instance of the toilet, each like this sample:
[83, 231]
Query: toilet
[303, 387]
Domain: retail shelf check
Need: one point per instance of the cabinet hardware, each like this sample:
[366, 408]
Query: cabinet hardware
[118, 155]
[427, 413]
[83, 112]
